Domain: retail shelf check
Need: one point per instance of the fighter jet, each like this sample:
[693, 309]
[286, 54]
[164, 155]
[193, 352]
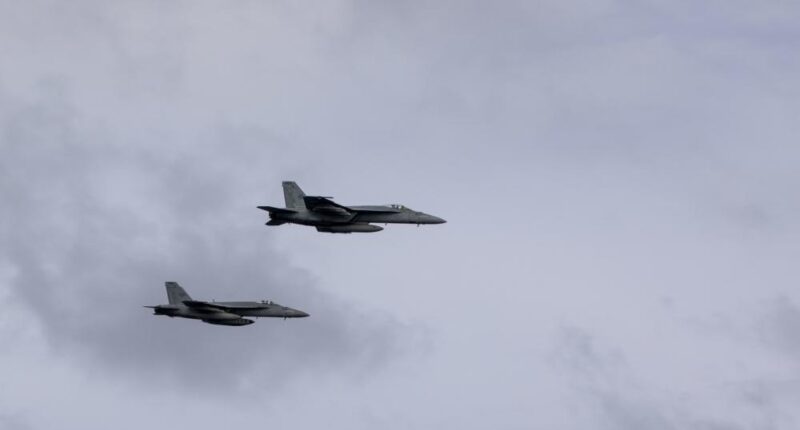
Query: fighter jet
[220, 313]
[330, 217]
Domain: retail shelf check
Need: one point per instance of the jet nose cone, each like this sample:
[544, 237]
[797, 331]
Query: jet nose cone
[437, 220]
[300, 314]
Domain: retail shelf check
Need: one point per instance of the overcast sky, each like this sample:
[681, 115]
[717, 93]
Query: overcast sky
[620, 181]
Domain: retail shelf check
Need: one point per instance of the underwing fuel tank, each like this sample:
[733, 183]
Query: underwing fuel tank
[352, 228]
[236, 322]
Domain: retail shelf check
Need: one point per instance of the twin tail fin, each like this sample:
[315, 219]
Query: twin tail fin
[175, 293]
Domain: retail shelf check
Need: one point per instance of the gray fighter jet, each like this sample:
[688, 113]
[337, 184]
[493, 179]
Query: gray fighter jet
[220, 313]
[330, 217]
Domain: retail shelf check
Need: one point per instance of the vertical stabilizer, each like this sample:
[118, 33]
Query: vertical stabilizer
[293, 195]
[175, 293]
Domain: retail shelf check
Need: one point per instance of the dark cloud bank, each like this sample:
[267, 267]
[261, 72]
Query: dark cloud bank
[95, 230]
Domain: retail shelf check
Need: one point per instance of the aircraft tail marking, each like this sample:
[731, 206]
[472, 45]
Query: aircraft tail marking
[175, 293]
[293, 195]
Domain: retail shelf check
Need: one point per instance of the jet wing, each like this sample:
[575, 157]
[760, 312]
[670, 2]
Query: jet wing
[203, 306]
[224, 307]
[325, 205]
[374, 209]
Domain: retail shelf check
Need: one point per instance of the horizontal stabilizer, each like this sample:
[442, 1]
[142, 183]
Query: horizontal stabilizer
[276, 222]
[170, 306]
[277, 210]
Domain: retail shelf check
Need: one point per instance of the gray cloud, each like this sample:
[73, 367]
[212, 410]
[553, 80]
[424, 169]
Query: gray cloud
[779, 326]
[576, 350]
[14, 422]
[611, 392]
[97, 228]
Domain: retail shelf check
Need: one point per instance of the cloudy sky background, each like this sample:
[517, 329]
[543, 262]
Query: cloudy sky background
[619, 179]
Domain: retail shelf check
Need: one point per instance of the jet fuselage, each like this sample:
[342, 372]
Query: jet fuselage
[331, 217]
[181, 305]
[316, 219]
[255, 309]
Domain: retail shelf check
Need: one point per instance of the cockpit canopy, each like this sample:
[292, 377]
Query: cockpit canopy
[267, 302]
[398, 207]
